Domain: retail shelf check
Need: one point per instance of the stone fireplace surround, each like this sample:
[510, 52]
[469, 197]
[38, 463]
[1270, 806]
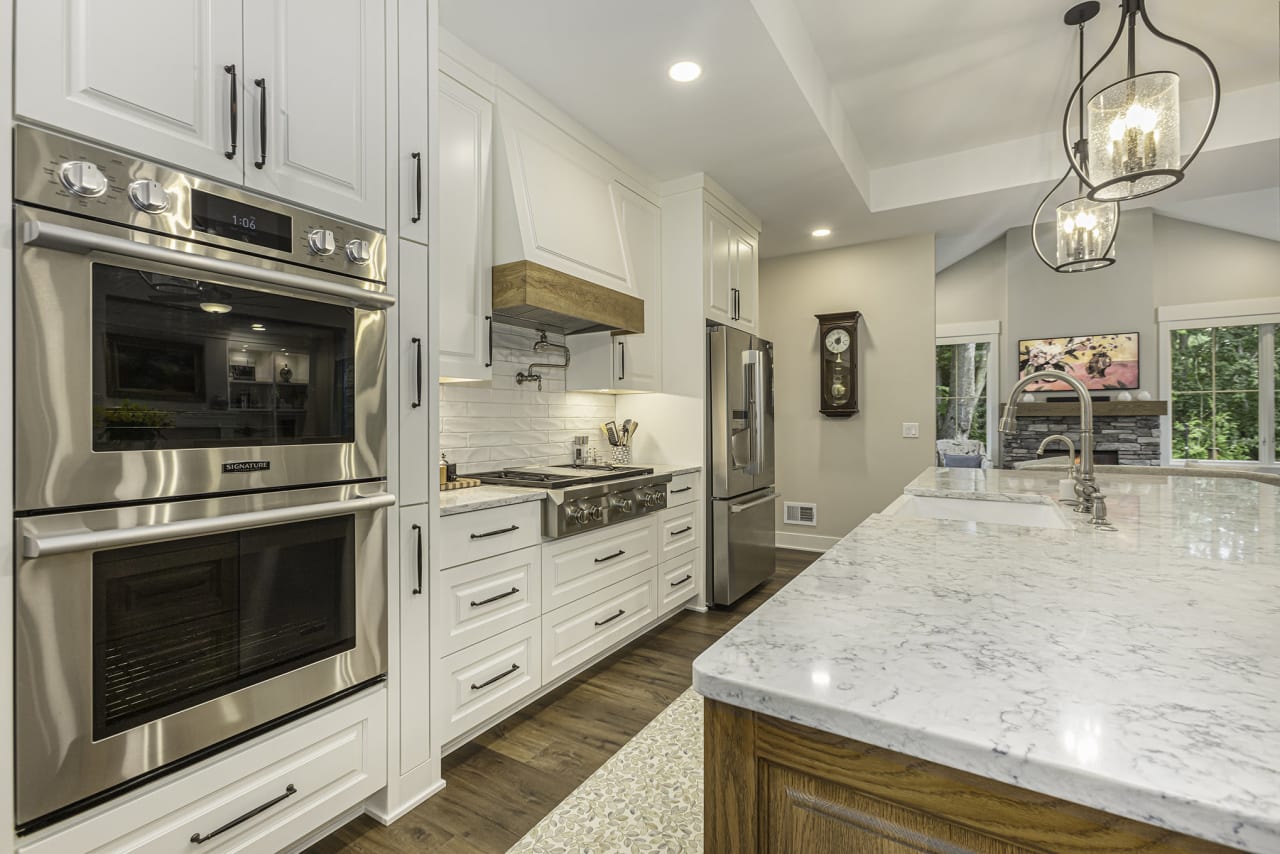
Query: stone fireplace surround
[1134, 438]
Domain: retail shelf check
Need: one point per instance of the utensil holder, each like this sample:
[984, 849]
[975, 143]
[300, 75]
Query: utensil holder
[622, 455]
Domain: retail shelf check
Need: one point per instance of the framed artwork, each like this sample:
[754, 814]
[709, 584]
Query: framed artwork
[244, 373]
[1099, 361]
[154, 369]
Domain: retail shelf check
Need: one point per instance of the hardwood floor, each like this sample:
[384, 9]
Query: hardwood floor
[504, 781]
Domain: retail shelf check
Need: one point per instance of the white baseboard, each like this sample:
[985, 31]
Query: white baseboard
[387, 818]
[805, 542]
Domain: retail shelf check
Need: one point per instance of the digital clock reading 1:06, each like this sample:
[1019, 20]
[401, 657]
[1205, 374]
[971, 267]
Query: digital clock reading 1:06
[238, 221]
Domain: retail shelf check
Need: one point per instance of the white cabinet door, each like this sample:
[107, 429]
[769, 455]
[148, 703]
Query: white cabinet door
[718, 259]
[150, 76]
[746, 279]
[411, 400]
[414, 601]
[414, 94]
[317, 66]
[466, 232]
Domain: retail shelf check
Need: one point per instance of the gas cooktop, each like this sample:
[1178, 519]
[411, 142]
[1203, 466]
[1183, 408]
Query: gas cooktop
[559, 477]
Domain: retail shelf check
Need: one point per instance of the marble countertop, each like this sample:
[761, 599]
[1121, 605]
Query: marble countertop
[1134, 671]
[485, 496]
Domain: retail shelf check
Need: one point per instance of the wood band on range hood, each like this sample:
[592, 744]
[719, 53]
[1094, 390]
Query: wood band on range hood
[529, 294]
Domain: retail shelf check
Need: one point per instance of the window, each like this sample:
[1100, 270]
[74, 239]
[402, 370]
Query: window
[962, 376]
[1224, 394]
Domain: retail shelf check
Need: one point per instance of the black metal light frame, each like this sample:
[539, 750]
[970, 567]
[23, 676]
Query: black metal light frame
[1131, 11]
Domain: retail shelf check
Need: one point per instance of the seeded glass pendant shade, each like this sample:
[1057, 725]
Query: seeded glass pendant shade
[1135, 125]
[1084, 229]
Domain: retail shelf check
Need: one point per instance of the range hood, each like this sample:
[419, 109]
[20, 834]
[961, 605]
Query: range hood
[528, 294]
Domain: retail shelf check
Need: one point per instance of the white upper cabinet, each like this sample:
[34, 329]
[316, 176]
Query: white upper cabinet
[315, 71]
[151, 76]
[731, 273]
[466, 232]
[416, 41]
[556, 200]
[628, 362]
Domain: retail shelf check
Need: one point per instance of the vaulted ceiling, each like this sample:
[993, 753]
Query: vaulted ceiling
[884, 119]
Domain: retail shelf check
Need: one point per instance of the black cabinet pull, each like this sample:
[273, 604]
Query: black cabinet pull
[681, 489]
[289, 791]
[489, 319]
[681, 581]
[495, 533]
[513, 591]
[417, 591]
[606, 558]
[417, 192]
[486, 683]
[622, 358]
[235, 110]
[417, 343]
[261, 83]
[607, 620]
[686, 529]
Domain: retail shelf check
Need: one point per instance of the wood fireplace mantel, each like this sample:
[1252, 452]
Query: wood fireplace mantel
[1110, 407]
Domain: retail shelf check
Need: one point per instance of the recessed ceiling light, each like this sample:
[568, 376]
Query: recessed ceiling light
[257, 327]
[215, 307]
[821, 232]
[685, 71]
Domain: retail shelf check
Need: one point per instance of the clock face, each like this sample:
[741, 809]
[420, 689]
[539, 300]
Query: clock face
[837, 340]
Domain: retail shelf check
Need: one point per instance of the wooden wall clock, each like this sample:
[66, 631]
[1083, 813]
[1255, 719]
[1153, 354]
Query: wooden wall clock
[838, 341]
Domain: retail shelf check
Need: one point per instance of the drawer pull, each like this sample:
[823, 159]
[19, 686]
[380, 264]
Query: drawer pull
[503, 675]
[606, 558]
[682, 489]
[607, 620]
[681, 581]
[513, 591]
[289, 791]
[507, 530]
[686, 529]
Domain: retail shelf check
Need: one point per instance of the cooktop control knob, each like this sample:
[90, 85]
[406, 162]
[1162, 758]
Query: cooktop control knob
[652, 498]
[358, 251]
[148, 196]
[320, 241]
[83, 178]
[597, 513]
[580, 514]
[626, 505]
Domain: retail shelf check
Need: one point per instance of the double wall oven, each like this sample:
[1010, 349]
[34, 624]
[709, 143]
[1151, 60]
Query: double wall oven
[200, 470]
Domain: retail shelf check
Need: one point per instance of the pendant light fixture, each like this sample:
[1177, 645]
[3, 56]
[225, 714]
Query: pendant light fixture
[1135, 124]
[1085, 229]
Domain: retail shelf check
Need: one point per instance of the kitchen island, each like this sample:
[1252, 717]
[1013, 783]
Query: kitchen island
[933, 684]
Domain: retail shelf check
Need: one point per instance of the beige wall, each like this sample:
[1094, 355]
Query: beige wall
[974, 288]
[851, 467]
[1196, 263]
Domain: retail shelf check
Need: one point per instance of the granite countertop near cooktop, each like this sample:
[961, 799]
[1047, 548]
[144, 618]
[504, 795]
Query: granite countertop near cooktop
[1134, 671]
[485, 496]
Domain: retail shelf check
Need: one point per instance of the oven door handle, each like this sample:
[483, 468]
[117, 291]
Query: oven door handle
[70, 239]
[34, 545]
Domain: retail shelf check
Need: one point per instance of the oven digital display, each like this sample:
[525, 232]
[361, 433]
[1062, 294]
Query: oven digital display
[238, 221]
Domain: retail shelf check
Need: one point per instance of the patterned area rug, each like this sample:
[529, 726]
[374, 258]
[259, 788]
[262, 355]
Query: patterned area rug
[646, 798]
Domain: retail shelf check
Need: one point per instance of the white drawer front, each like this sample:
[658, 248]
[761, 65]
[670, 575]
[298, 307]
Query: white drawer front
[333, 761]
[577, 566]
[483, 679]
[478, 600]
[679, 580]
[466, 537]
[578, 631]
[684, 488]
[680, 530]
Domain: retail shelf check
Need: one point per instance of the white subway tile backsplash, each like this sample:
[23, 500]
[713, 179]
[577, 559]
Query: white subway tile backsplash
[498, 424]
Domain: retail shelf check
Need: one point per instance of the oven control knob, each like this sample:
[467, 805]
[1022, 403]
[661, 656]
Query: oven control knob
[148, 196]
[83, 178]
[320, 241]
[358, 251]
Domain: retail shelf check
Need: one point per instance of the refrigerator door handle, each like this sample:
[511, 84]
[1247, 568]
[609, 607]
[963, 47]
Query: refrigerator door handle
[738, 508]
[753, 375]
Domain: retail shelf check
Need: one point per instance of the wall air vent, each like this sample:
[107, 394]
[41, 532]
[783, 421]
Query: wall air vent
[795, 513]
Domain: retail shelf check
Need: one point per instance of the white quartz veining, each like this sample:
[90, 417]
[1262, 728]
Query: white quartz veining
[1131, 670]
[483, 497]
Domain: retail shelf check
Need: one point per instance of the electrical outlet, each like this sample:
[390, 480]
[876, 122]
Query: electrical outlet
[910, 430]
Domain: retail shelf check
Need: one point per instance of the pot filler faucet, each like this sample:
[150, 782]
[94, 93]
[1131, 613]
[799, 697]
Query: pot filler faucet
[1089, 498]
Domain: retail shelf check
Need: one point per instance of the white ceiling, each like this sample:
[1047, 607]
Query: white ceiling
[879, 119]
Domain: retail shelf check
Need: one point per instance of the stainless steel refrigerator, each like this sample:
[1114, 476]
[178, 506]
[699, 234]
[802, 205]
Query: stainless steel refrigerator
[740, 462]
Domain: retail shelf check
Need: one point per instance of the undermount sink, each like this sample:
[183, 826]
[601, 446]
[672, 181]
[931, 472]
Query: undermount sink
[967, 510]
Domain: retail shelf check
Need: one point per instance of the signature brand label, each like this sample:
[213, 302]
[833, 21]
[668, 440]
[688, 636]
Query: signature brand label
[249, 465]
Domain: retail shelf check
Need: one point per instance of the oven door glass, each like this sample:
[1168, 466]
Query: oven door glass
[181, 363]
[178, 623]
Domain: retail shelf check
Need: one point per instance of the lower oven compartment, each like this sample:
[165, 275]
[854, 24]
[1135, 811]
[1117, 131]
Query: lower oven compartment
[152, 635]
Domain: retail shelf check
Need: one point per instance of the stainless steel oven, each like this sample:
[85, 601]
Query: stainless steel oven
[178, 337]
[149, 635]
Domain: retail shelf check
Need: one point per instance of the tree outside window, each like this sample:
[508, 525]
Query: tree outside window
[1217, 388]
[962, 390]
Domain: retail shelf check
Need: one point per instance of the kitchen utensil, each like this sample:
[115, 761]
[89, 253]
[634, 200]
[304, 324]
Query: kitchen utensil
[611, 430]
[631, 433]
